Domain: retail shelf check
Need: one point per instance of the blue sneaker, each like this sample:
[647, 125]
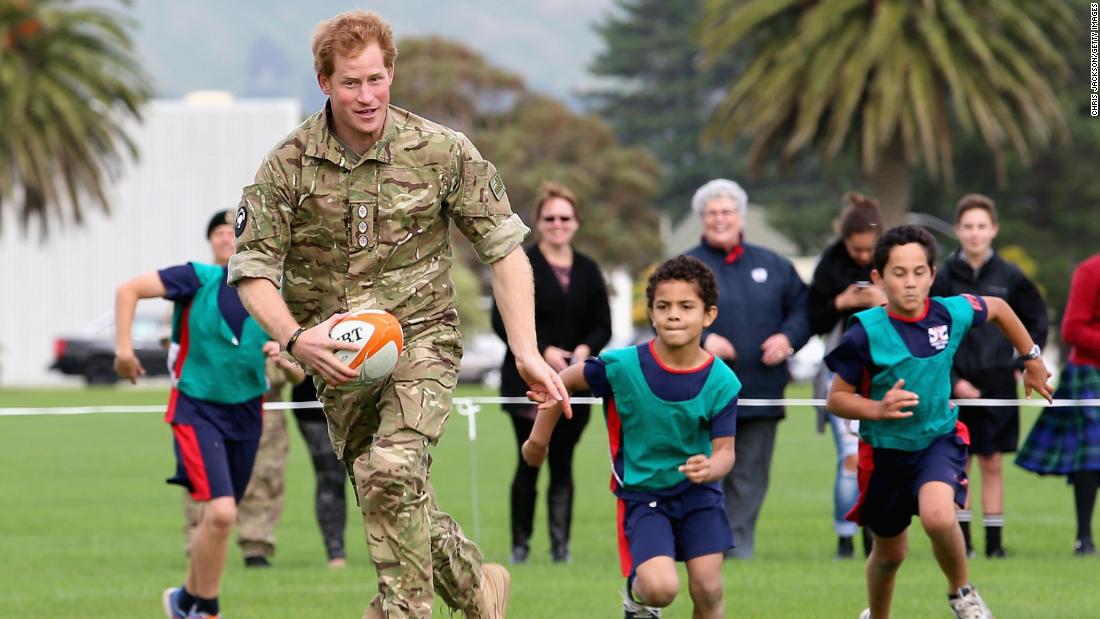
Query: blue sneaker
[172, 608]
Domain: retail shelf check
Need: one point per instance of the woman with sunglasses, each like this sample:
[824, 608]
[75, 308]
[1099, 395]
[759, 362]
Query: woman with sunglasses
[573, 322]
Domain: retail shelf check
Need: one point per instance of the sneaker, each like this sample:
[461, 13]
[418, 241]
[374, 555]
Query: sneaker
[866, 614]
[996, 553]
[967, 604]
[170, 599]
[203, 616]
[492, 595]
[519, 554]
[632, 609]
[560, 554]
[1084, 547]
[845, 548]
[257, 561]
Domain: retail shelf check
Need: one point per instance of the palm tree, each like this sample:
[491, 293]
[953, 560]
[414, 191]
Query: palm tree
[891, 79]
[68, 85]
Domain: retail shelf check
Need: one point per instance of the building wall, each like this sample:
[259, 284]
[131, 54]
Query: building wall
[194, 160]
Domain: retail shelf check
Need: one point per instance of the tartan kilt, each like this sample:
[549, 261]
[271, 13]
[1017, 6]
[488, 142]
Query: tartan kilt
[1066, 439]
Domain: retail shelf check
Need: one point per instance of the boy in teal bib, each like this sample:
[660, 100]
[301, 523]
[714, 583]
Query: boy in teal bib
[671, 412]
[893, 374]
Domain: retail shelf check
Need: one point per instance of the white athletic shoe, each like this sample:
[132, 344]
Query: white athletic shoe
[866, 614]
[967, 604]
[636, 610]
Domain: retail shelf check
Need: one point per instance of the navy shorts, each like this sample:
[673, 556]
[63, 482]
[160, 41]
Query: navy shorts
[684, 526]
[209, 463]
[890, 480]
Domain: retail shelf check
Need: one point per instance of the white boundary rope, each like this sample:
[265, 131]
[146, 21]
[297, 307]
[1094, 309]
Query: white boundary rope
[463, 403]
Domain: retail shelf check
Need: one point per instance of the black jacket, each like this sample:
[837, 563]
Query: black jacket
[759, 294]
[985, 357]
[583, 316]
[835, 271]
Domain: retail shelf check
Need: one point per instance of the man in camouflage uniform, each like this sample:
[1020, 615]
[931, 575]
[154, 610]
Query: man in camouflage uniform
[352, 211]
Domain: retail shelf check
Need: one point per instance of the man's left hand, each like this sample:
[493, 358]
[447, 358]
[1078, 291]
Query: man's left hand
[543, 381]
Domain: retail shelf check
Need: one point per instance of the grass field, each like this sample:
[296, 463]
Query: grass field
[89, 529]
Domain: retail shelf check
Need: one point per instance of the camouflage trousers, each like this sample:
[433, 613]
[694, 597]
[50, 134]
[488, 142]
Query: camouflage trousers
[382, 433]
[261, 507]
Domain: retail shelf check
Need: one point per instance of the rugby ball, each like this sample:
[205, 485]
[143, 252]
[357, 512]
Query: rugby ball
[378, 338]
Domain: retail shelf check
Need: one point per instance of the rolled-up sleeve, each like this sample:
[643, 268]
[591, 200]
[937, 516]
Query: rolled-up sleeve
[479, 206]
[262, 226]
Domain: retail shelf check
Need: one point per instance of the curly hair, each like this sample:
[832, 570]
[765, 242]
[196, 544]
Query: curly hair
[903, 235]
[684, 269]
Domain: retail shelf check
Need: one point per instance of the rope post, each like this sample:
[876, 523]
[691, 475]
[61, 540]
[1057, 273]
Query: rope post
[469, 410]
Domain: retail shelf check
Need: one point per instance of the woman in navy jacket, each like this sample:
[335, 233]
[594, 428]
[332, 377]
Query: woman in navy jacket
[572, 322]
[761, 322]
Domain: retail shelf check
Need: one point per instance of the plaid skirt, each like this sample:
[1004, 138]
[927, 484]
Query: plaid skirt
[1066, 439]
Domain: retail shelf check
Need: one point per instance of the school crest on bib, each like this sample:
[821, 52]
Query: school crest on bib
[938, 336]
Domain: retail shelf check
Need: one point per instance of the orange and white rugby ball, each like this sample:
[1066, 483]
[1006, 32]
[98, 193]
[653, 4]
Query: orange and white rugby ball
[378, 338]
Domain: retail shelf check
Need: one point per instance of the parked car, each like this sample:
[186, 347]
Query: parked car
[93, 354]
[481, 358]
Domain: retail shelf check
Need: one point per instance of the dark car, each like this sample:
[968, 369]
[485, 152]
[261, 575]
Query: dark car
[93, 356]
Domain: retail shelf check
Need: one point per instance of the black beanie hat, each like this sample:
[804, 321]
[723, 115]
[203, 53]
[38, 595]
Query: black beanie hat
[221, 218]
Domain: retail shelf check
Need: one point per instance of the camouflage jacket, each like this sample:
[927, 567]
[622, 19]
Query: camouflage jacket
[337, 235]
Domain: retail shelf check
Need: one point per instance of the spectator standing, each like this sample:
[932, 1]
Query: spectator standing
[841, 287]
[1066, 440]
[573, 322]
[985, 366]
[761, 322]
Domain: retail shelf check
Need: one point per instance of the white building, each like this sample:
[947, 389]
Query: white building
[195, 156]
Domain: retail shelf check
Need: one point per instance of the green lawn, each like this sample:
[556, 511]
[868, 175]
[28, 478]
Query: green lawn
[89, 529]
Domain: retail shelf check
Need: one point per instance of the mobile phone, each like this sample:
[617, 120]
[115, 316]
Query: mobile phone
[863, 284]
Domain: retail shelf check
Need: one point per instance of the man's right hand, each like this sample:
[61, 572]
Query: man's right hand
[896, 399]
[720, 347]
[128, 366]
[315, 349]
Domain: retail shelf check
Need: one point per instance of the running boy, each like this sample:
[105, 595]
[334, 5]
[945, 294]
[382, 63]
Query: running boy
[671, 411]
[893, 373]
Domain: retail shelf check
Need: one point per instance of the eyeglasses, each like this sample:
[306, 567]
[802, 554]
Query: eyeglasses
[552, 218]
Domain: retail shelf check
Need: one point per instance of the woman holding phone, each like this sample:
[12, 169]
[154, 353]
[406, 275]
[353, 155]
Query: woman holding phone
[841, 286]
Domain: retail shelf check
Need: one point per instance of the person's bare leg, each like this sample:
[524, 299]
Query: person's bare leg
[705, 586]
[656, 582]
[887, 554]
[209, 547]
[936, 501]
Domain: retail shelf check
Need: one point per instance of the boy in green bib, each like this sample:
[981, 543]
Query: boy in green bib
[671, 411]
[893, 374]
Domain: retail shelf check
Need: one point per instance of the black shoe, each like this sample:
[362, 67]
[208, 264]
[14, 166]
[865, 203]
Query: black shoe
[519, 554]
[1083, 547]
[257, 561]
[560, 554]
[996, 553]
[845, 549]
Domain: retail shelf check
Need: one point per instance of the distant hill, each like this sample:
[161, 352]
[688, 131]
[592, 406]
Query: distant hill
[256, 48]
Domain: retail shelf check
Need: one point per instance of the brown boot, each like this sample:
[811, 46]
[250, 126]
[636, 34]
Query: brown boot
[492, 594]
[374, 611]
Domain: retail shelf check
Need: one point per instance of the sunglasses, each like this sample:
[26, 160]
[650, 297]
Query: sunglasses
[552, 218]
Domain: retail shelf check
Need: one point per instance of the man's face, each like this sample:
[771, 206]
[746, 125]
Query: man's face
[223, 244]
[722, 222]
[359, 91]
[679, 314]
[976, 231]
[906, 279]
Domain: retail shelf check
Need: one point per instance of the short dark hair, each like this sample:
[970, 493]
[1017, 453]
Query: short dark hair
[685, 269]
[972, 201]
[903, 235]
[220, 218]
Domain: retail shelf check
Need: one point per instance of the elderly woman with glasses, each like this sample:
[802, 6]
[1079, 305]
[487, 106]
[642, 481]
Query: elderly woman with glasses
[573, 322]
[761, 322]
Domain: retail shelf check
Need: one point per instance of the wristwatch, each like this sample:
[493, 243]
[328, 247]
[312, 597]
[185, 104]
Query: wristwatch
[1034, 353]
